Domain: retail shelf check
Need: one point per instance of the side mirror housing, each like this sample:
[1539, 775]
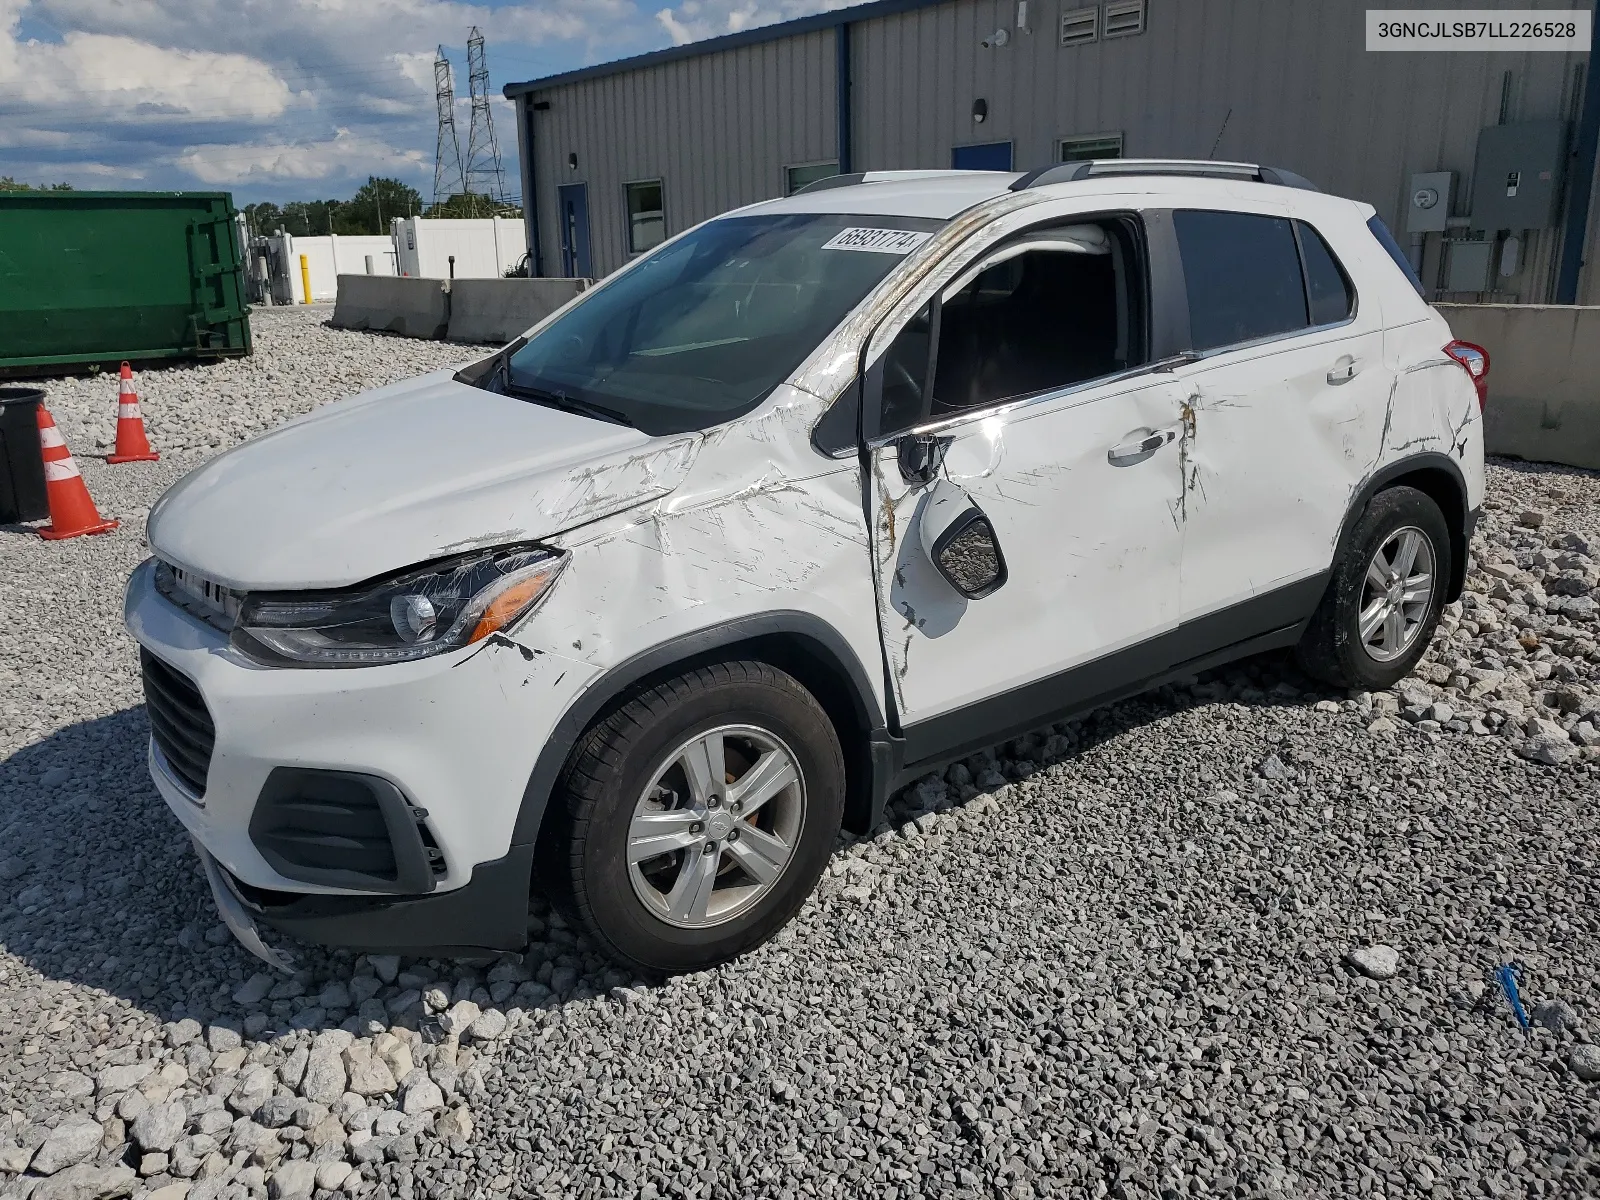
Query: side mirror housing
[960, 541]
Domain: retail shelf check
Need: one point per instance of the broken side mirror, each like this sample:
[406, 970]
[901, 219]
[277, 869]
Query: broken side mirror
[920, 456]
[960, 541]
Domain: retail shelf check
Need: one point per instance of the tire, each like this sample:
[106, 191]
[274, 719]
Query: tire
[645, 914]
[1332, 647]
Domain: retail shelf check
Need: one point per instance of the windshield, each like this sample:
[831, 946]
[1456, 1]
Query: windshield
[703, 329]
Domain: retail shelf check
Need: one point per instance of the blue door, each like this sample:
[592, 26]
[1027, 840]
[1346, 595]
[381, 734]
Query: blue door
[991, 156]
[573, 206]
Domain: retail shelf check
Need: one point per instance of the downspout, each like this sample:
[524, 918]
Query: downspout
[841, 40]
[1581, 176]
[530, 191]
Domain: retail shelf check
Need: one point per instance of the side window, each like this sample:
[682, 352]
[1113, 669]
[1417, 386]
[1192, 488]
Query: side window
[1242, 273]
[1328, 289]
[905, 371]
[1392, 248]
[1066, 307]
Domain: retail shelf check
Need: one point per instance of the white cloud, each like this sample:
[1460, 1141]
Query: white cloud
[346, 154]
[695, 20]
[285, 97]
[113, 76]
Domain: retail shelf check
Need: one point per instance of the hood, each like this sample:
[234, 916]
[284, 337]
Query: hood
[401, 475]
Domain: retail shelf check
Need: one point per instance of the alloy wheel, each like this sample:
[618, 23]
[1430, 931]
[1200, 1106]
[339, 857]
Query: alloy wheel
[1397, 594]
[716, 826]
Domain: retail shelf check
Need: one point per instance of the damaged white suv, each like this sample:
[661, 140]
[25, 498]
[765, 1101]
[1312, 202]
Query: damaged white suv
[818, 496]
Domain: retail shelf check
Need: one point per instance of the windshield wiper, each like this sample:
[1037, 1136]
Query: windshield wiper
[565, 403]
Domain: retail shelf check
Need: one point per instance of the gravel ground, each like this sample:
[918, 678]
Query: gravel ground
[1232, 938]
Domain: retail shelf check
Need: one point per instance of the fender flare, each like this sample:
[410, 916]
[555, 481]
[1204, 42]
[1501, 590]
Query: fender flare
[1385, 476]
[677, 653]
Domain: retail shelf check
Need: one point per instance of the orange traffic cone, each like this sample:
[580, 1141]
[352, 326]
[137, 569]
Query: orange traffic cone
[132, 446]
[71, 510]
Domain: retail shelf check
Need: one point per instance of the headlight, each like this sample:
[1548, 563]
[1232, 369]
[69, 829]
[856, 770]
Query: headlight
[423, 612]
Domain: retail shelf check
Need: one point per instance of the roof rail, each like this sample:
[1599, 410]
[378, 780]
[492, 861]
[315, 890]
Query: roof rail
[1197, 168]
[855, 177]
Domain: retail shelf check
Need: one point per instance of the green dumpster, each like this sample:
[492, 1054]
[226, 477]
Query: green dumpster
[88, 279]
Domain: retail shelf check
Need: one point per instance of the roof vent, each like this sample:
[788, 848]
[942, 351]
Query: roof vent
[1080, 26]
[1125, 18]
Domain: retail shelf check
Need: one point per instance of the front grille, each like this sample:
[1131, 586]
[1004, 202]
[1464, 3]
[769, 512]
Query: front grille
[179, 721]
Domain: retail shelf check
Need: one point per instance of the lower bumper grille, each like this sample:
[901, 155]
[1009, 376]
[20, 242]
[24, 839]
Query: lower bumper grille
[179, 721]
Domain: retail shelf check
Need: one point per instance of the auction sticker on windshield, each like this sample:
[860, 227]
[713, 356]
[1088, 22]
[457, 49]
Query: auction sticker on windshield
[879, 241]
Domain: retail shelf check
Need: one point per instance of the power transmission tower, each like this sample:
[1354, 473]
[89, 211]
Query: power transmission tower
[483, 174]
[448, 179]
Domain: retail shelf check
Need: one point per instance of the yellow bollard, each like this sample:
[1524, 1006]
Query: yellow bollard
[305, 277]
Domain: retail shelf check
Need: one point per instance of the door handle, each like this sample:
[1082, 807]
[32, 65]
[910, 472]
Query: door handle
[1344, 369]
[1129, 453]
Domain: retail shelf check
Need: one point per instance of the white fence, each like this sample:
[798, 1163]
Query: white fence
[327, 258]
[416, 247]
[483, 249]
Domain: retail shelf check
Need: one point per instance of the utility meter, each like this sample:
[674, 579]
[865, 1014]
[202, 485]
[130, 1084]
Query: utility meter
[1428, 209]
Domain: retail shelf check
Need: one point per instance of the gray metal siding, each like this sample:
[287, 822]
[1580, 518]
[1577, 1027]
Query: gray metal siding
[716, 130]
[1284, 82]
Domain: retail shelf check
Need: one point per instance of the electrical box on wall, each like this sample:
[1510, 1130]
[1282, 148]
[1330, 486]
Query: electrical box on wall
[1516, 181]
[1466, 268]
[1428, 206]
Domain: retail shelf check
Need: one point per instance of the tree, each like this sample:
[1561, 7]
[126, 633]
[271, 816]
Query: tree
[375, 203]
[471, 205]
[263, 218]
[8, 184]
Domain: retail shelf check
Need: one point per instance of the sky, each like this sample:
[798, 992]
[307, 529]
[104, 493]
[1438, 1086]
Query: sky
[294, 99]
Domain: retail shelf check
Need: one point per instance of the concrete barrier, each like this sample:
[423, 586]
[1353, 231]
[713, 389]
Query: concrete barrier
[1544, 378]
[412, 307]
[498, 310]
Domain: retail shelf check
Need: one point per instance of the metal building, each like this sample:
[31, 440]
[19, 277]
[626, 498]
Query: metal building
[617, 156]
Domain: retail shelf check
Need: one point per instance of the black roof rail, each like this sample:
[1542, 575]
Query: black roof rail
[832, 181]
[1103, 168]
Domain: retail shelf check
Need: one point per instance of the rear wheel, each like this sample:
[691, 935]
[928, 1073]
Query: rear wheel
[699, 816]
[1383, 603]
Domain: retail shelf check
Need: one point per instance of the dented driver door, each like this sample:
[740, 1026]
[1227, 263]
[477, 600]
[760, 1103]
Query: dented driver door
[1080, 490]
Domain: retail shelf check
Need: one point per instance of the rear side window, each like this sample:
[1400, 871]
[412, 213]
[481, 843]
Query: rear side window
[1242, 273]
[1328, 290]
[1392, 248]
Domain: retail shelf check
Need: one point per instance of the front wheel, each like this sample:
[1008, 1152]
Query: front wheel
[1383, 603]
[699, 816]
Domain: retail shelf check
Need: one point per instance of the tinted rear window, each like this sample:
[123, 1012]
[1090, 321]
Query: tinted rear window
[1392, 247]
[1242, 273]
[1327, 286]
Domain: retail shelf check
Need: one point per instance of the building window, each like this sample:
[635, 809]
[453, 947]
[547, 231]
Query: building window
[1079, 26]
[1097, 145]
[796, 178]
[647, 224]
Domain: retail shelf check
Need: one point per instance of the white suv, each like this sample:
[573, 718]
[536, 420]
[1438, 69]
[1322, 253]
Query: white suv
[815, 498]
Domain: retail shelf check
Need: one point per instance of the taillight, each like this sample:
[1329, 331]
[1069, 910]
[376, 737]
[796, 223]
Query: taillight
[1475, 360]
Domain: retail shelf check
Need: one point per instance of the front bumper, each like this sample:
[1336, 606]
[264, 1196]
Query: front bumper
[487, 915]
[458, 735]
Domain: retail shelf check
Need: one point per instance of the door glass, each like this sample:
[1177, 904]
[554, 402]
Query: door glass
[1042, 320]
[1242, 273]
[905, 372]
[1328, 287]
